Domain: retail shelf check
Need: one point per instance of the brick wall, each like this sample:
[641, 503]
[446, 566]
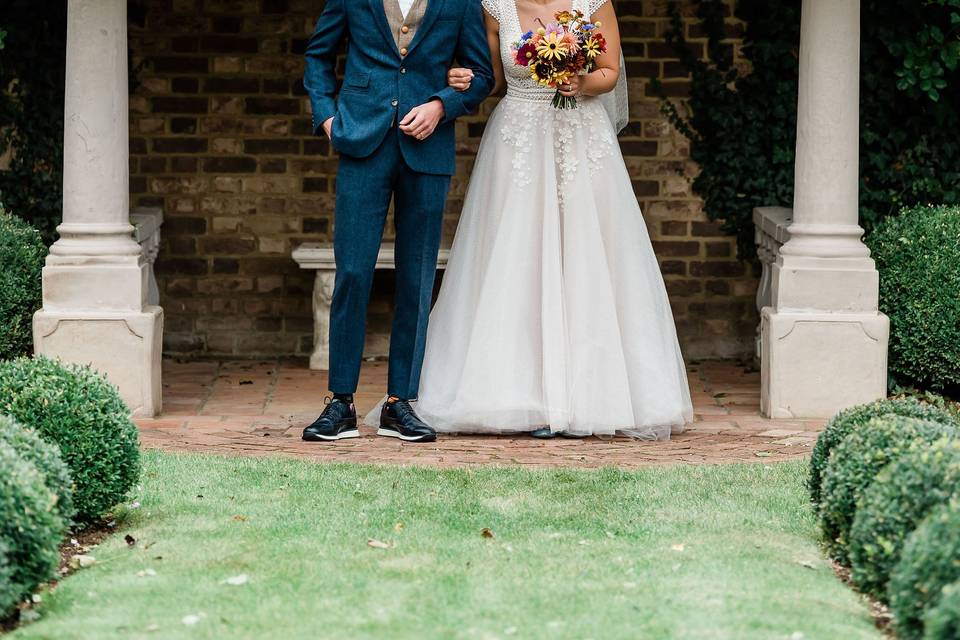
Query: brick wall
[220, 137]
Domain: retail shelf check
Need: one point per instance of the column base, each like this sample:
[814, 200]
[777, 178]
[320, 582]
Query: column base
[815, 363]
[123, 345]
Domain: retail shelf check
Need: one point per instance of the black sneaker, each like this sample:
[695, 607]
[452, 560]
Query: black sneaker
[398, 420]
[338, 421]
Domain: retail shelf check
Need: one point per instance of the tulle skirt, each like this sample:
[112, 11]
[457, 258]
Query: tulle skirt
[552, 311]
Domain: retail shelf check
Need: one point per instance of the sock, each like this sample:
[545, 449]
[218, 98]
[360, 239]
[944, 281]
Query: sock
[346, 398]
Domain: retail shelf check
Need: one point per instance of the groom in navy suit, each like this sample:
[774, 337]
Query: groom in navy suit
[393, 125]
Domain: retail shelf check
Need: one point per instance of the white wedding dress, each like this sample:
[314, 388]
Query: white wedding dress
[552, 311]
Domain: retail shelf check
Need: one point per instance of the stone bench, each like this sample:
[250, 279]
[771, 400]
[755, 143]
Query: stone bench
[146, 223]
[771, 228]
[318, 256]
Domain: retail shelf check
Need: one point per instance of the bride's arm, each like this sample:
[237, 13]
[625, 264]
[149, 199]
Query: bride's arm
[604, 77]
[493, 39]
[460, 78]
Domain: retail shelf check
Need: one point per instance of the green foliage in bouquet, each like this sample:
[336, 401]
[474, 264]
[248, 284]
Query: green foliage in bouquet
[22, 254]
[930, 562]
[902, 495]
[852, 419]
[82, 413]
[855, 463]
[918, 256]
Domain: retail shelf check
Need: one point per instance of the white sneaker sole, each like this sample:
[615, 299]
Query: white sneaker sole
[390, 433]
[340, 436]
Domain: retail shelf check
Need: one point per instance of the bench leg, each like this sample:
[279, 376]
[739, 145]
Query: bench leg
[322, 297]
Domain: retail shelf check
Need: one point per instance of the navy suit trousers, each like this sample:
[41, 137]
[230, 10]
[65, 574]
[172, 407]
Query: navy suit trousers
[365, 187]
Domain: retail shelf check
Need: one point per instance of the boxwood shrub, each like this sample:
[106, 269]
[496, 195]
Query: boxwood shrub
[8, 595]
[851, 419]
[929, 563]
[902, 495]
[942, 622]
[918, 256]
[22, 253]
[854, 464]
[83, 414]
[31, 527]
[46, 457]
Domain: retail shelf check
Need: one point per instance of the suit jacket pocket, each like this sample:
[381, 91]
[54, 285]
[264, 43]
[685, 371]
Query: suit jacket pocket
[356, 82]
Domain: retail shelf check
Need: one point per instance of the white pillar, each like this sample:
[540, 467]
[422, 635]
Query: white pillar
[95, 307]
[824, 343]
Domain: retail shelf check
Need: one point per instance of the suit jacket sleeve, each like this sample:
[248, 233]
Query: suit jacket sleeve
[473, 52]
[320, 72]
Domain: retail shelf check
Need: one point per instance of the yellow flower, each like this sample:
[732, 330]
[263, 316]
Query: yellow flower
[598, 24]
[564, 17]
[552, 47]
[592, 48]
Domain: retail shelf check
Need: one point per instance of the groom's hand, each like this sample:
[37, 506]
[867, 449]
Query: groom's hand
[421, 122]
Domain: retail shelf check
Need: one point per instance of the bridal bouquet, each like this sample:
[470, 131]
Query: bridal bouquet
[560, 50]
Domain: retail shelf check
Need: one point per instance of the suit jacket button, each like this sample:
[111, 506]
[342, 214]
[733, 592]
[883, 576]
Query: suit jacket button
[394, 103]
[405, 29]
[403, 51]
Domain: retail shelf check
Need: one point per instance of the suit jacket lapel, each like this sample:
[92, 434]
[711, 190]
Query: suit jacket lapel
[431, 15]
[380, 17]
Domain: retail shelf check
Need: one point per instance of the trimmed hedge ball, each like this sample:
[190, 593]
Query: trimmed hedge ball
[46, 457]
[855, 463]
[82, 413]
[8, 595]
[930, 562]
[851, 419]
[22, 254]
[943, 621]
[902, 495]
[918, 257]
[31, 527]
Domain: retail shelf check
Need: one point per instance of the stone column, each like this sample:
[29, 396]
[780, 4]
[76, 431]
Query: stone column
[824, 343]
[95, 307]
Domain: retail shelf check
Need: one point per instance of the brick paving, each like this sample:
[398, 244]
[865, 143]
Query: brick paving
[257, 408]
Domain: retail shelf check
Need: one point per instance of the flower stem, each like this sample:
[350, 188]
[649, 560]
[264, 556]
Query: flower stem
[561, 101]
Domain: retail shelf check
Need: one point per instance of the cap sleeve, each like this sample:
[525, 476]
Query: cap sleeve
[594, 5]
[493, 8]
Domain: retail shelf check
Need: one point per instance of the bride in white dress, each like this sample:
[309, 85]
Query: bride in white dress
[553, 317]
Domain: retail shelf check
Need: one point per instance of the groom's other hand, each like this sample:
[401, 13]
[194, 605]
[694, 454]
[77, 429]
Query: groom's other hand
[421, 122]
[328, 127]
[460, 78]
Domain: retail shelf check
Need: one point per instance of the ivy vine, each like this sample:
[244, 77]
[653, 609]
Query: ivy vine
[742, 122]
[31, 111]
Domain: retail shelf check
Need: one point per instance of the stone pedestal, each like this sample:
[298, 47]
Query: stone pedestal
[95, 282]
[823, 341]
[814, 364]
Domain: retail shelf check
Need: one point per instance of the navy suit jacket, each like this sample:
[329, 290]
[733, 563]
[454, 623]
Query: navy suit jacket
[380, 86]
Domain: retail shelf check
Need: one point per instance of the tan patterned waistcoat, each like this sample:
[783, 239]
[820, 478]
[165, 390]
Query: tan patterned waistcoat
[404, 29]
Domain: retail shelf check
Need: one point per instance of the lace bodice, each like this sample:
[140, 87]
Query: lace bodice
[519, 83]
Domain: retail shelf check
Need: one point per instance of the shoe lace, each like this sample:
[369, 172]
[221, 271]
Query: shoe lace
[403, 405]
[333, 406]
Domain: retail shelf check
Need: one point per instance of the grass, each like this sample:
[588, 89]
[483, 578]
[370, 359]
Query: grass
[681, 552]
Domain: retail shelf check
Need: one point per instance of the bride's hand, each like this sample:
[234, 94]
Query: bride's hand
[459, 78]
[572, 88]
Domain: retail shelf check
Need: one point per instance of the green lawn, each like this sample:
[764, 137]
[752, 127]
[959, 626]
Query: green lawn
[682, 552]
